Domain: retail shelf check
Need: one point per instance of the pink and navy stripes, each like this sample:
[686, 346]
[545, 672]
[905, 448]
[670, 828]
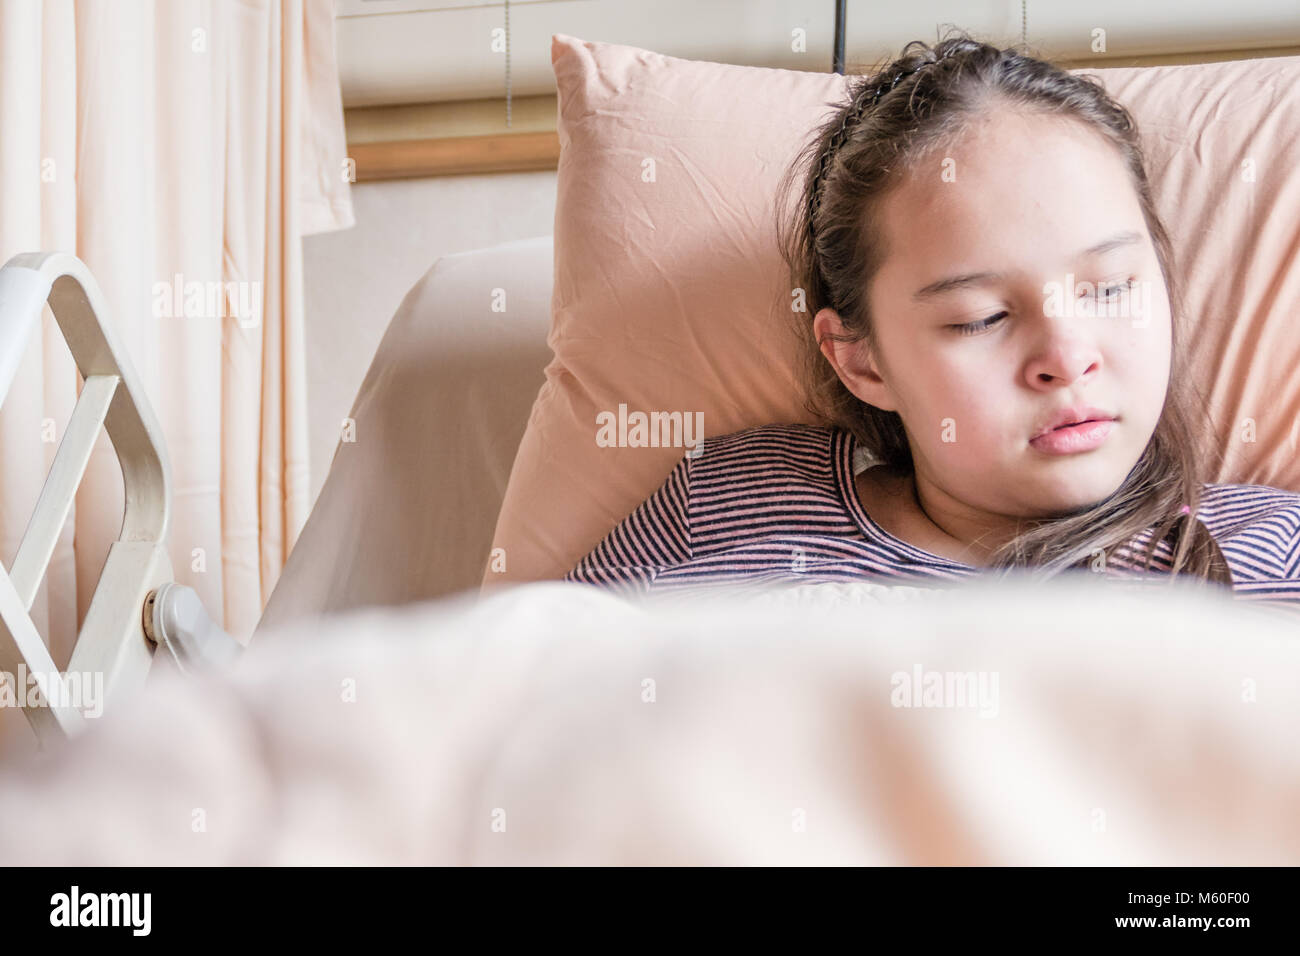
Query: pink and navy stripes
[776, 503]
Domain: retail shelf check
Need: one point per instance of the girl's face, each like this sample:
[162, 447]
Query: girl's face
[1002, 302]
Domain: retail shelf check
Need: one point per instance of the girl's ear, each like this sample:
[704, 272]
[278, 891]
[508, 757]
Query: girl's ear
[853, 362]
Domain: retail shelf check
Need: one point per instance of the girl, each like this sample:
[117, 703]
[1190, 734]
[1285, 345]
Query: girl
[992, 351]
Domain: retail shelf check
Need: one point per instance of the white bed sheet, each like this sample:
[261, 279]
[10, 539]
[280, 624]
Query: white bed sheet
[518, 729]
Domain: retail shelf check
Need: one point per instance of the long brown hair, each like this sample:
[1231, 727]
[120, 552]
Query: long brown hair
[901, 111]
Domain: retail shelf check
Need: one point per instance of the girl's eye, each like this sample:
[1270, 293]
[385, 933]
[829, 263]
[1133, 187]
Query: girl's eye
[1118, 288]
[974, 328]
[1112, 291]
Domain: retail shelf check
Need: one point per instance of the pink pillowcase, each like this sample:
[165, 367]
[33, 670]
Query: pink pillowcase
[669, 286]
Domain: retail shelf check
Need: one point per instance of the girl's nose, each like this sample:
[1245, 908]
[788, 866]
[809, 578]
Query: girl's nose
[1062, 363]
[1063, 351]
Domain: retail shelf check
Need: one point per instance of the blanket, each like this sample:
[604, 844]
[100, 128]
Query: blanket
[555, 723]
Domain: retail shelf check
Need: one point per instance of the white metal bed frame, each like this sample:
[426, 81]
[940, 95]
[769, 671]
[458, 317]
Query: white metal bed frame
[136, 607]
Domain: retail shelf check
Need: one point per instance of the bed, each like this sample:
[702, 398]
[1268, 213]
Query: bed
[418, 654]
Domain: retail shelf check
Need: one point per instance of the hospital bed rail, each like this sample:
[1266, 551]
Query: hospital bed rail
[136, 607]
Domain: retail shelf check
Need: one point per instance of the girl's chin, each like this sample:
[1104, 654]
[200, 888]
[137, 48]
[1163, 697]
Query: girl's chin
[1078, 497]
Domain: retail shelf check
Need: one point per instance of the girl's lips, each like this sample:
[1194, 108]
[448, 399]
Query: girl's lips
[1074, 438]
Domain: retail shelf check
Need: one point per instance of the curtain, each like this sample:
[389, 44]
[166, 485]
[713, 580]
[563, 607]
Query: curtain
[181, 148]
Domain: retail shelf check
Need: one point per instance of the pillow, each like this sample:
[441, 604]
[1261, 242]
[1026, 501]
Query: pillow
[668, 280]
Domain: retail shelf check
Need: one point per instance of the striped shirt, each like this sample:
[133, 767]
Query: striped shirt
[777, 504]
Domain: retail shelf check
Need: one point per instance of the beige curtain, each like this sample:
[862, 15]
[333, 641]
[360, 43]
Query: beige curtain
[174, 146]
